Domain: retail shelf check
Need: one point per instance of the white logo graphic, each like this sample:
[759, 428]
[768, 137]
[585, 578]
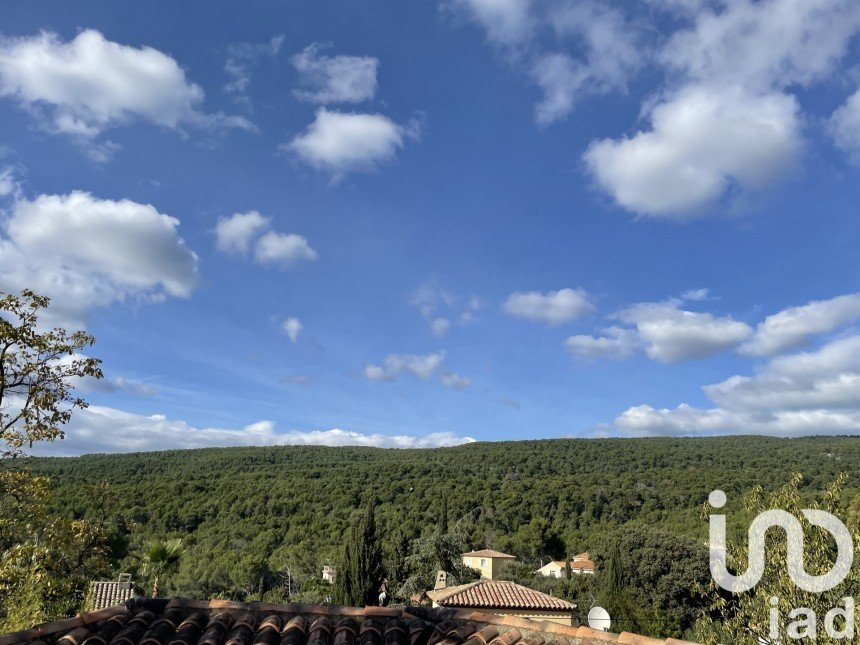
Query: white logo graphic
[794, 556]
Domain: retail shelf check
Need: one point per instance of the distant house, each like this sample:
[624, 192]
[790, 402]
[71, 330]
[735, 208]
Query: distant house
[328, 573]
[107, 593]
[581, 564]
[487, 562]
[505, 598]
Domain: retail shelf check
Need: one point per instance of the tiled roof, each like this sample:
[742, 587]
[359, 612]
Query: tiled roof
[106, 594]
[220, 622]
[488, 553]
[585, 565]
[498, 594]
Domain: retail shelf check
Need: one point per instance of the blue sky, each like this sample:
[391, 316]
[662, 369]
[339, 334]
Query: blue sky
[415, 224]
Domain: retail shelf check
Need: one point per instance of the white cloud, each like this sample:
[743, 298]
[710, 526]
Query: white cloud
[674, 335]
[283, 248]
[815, 392]
[343, 142]
[845, 125]
[292, 327]
[8, 183]
[551, 308]
[439, 307]
[422, 366]
[507, 22]
[686, 420]
[335, 79]
[240, 232]
[794, 326]
[241, 57]
[612, 54]
[90, 84]
[704, 143]
[763, 44]
[729, 125]
[617, 343]
[454, 381]
[440, 326]
[560, 78]
[86, 252]
[103, 429]
[235, 233]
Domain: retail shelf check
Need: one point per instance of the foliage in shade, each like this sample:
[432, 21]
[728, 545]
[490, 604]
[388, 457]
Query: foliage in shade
[360, 572]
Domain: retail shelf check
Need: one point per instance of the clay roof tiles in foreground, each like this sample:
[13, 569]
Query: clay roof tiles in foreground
[219, 622]
[488, 553]
[498, 594]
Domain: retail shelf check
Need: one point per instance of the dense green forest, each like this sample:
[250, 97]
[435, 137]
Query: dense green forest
[248, 517]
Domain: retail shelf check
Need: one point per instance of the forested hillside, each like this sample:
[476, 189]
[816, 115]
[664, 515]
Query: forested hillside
[246, 512]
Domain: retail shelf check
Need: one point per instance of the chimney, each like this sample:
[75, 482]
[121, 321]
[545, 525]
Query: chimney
[441, 580]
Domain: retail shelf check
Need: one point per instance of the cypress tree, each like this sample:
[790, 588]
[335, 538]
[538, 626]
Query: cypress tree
[443, 516]
[568, 570]
[357, 582]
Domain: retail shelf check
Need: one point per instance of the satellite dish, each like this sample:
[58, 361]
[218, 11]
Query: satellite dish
[598, 618]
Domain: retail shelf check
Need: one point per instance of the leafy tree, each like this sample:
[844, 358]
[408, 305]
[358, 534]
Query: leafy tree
[653, 580]
[37, 372]
[360, 573]
[47, 558]
[746, 617]
[159, 559]
[437, 552]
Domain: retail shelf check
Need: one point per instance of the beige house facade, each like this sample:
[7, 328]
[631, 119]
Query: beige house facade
[486, 562]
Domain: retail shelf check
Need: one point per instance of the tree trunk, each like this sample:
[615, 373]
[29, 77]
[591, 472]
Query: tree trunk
[155, 587]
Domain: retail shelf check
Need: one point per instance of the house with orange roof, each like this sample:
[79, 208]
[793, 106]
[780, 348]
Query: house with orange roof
[487, 562]
[580, 564]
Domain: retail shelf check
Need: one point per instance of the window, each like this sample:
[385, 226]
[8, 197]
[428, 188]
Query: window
[483, 562]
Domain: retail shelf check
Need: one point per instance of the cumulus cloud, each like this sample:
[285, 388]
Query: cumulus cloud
[506, 22]
[672, 334]
[729, 125]
[292, 328]
[8, 182]
[615, 343]
[108, 430]
[704, 142]
[335, 79]
[845, 125]
[422, 366]
[612, 54]
[551, 308]
[454, 381]
[235, 233]
[241, 232]
[283, 249]
[241, 58]
[87, 252]
[88, 85]
[686, 420]
[344, 142]
[795, 326]
[814, 392]
[439, 306]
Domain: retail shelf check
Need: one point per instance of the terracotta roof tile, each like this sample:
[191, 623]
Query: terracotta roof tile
[488, 553]
[498, 594]
[219, 622]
